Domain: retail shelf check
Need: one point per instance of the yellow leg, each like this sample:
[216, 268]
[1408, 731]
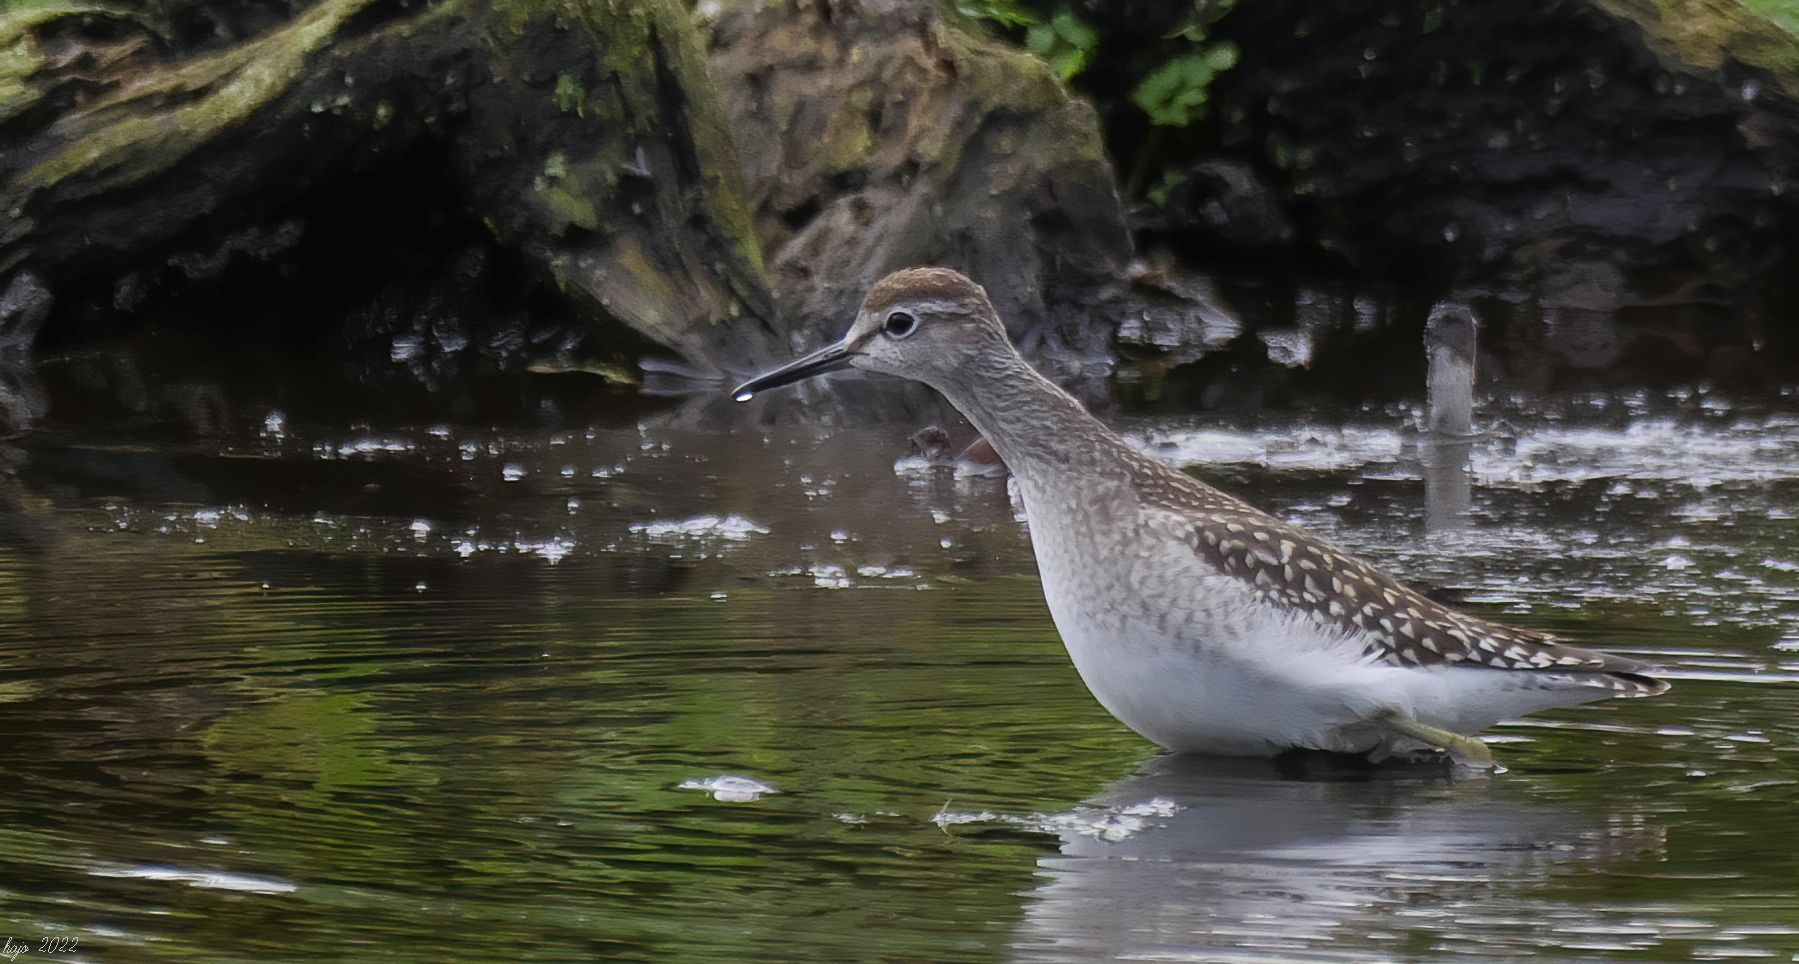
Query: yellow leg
[1465, 750]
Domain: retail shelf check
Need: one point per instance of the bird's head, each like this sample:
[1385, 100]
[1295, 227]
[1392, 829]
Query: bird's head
[928, 324]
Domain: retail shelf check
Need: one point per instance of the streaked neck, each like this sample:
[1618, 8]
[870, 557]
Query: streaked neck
[1040, 431]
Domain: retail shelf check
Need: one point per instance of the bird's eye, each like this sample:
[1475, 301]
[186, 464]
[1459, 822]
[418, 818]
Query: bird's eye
[899, 325]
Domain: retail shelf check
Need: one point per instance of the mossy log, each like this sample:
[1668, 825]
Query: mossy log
[1709, 36]
[584, 133]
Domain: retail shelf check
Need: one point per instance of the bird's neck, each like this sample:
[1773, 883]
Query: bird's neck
[1040, 431]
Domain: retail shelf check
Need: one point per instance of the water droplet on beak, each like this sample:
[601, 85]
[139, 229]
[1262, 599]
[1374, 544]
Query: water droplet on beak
[743, 396]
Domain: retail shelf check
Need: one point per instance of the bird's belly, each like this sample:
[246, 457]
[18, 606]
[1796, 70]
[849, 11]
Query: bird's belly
[1185, 657]
[1192, 697]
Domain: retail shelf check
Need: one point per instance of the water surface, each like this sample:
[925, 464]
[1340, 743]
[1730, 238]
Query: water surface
[698, 685]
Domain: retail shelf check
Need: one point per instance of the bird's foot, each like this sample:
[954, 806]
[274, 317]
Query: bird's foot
[1464, 751]
[1428, 756]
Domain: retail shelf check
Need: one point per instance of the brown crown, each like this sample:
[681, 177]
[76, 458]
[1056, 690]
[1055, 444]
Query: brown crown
[909, 284]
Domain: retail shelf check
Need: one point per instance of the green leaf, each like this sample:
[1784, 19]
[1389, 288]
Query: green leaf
[1160, 193]
[1075, 33]
[1065, 43]
[571, 97]
[1174, 94]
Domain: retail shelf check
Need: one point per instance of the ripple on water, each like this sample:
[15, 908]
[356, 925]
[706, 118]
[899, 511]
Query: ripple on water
[1699, 454]
[204, 879]
[731, 528]
[1101, 823]
[729, 787]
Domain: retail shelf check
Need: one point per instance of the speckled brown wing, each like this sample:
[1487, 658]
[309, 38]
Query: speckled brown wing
[1297, 571]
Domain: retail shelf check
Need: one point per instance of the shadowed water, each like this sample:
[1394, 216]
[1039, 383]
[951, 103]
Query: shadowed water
[696, 687]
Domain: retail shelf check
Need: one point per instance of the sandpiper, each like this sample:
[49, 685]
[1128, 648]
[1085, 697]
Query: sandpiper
[1201, 622]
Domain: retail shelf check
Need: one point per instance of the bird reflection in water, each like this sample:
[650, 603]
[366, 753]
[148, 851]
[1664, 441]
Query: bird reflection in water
[1303, 857]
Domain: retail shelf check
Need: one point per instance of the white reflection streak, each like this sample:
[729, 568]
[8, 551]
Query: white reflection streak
[1253, 866]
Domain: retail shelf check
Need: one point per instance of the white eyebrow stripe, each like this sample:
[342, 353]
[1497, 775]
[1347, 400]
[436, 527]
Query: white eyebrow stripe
[932, 305]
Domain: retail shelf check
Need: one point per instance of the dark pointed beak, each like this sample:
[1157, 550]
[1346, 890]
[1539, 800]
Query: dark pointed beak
[830, 358]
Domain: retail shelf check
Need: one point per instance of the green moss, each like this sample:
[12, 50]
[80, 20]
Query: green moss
[1001, 79]
[1708, 33]
[20, 16]
[571, 97]
[573, 192]
[1000, 76]
[19, 55]
[126, 144]
[571, 208]
[847, 142]
[641, 40]
[1781, 13]
[710, 133]
[17, 93]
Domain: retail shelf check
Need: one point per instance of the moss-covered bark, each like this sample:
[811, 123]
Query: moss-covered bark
[1708, 35]
[881, 135]
[584, 133]
[607, 123]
